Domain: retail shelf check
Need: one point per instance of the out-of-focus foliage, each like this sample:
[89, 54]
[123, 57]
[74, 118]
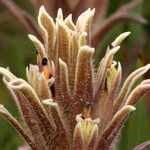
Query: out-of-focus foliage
[16, 51]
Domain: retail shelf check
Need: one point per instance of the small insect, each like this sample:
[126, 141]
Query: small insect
[48, 74]
[46, 71]
[43, 67]
[87, 110]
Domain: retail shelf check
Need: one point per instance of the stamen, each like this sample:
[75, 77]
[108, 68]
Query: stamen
[87, 110]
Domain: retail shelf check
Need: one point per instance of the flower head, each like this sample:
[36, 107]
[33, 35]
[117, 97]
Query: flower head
[67, 103]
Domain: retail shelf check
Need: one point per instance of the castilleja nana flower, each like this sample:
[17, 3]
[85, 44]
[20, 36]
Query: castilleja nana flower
[67, 102]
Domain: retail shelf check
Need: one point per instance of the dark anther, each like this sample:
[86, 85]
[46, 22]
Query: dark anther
[111, 46]
[44, 61]
[87, 110]
[83, 117]
[88, 105]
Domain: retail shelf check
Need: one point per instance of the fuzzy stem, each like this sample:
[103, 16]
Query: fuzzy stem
[17, 126]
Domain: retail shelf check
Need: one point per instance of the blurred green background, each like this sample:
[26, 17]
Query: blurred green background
[16, 52]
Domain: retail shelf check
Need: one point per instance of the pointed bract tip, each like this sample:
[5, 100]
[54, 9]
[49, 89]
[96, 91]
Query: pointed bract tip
[69, 17]
[60, 14]
[59, 10]
[49, 102]
[1, 106]
[3, 109]
[130, 107]
[93, 11]
[147, 81]
[87, 48]
[31, 37]
[41, 12]
[89, 9]
[124, 35]
[42, 9]
[147, 66]
[5, 72]
[61, 62]
[127, 33]
[119, 65]
[120, 38]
